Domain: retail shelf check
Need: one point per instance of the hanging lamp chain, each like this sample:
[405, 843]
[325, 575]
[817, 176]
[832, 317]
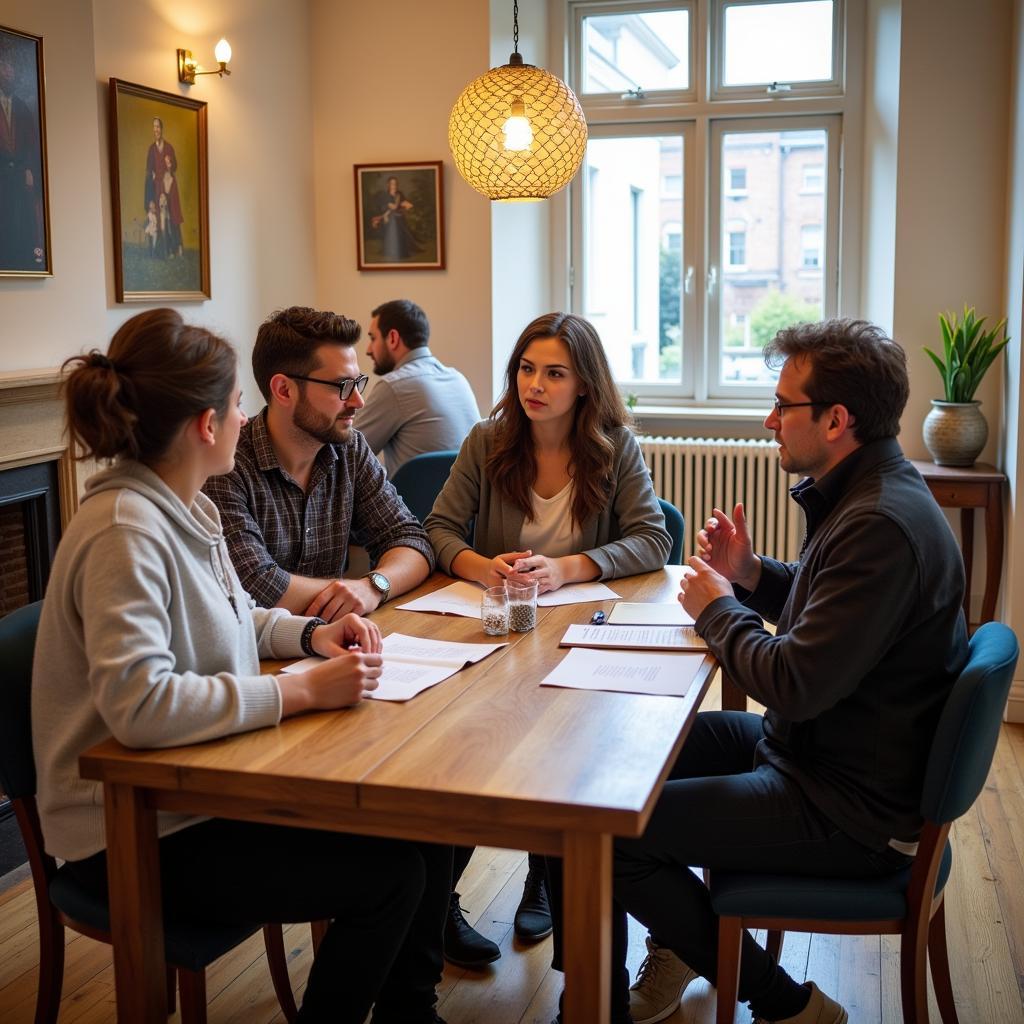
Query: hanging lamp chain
[515, 26]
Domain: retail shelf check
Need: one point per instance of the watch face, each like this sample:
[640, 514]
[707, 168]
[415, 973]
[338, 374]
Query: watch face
[380, 581]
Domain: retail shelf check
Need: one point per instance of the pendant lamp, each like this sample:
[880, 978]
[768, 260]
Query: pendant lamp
[517, 132]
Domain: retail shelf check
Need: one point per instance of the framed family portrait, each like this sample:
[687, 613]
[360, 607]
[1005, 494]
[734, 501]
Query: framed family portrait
[399, 216]
[24, 195]
[160, 200]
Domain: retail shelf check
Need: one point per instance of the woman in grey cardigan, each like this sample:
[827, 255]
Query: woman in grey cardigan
[554, 480]
[559, 493]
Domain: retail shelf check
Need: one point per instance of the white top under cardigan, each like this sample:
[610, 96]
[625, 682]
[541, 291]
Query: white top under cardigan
[146, 635]
[551, 532]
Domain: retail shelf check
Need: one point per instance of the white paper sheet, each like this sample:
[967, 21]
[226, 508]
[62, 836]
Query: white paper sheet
[669, 675]
[463, 598]
[637, 613]
[649, 638]
[412, 664]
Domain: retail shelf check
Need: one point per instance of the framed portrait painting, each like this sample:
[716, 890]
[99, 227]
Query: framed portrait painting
[399, 216]
[24, 196]
[159, 200]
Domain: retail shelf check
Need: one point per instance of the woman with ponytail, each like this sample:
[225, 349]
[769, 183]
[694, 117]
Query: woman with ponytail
[146, 635]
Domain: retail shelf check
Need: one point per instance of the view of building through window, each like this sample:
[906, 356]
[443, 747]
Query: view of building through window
[771, 260]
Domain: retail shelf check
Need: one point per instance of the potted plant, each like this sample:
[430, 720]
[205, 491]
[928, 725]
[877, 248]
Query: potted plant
[955, 430]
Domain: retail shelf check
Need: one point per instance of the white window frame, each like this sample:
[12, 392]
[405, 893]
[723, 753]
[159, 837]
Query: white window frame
[831, 86]
[691, 364]
[693, 114]
[737, 192]
[591, 8]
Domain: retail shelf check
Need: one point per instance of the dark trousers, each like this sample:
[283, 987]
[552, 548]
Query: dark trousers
[717, 811]
[386, 901]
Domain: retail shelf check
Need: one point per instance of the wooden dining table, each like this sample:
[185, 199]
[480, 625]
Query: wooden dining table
[486, 757]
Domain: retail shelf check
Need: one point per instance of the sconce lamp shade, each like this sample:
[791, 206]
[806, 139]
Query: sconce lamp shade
[501, 157]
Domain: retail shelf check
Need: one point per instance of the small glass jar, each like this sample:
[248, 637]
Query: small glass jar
[522, 606]
[494, 611]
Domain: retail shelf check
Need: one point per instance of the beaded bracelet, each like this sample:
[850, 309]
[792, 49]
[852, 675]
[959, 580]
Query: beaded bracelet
[306, 641]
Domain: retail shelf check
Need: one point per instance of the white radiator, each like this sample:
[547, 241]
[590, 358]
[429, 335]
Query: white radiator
[697, 474]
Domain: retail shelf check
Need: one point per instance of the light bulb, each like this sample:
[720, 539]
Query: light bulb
[518, 133]
[222, 52]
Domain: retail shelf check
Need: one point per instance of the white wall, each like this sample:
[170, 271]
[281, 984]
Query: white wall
[260, 165]
[951, 192]
[384, 82]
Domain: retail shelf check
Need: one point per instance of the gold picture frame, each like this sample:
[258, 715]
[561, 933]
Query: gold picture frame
[159, 195]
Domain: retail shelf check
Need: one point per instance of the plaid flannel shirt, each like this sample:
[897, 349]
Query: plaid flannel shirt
[273, 528]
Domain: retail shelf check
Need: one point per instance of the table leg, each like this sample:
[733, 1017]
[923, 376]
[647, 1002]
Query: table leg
[967, 548]
[587, 945]
[733, 698]
[993, 551]
[136, 918]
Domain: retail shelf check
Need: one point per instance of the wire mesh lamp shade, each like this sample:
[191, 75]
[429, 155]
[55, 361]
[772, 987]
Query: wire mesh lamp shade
[479, 134]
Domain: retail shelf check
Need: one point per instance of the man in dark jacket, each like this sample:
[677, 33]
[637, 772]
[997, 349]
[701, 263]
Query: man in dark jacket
[869, 638]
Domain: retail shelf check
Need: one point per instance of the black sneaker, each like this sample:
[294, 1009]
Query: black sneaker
[533, 917]
[463, 944]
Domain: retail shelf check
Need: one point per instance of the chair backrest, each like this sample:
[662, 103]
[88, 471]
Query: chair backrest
[17, 646]
[676, 526]
[965, 740]
[419, 481]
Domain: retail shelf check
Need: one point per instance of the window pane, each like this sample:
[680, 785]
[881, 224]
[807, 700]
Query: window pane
[633, 240]
[790, 42]
[772, 247]
[636, 51]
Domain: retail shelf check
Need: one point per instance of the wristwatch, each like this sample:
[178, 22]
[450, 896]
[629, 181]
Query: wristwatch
[380, 583]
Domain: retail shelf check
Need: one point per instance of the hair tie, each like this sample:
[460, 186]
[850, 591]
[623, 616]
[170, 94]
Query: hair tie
[99, 359]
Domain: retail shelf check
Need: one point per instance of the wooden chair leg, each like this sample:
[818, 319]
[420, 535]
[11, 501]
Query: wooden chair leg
[318, 929]
[192, 986]
[914, 972]
[51, 965]
[774, 943]
[172, 990]
[277, 962]
[730, 936]
[938, 956]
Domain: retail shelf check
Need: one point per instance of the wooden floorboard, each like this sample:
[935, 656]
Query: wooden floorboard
[984, 913]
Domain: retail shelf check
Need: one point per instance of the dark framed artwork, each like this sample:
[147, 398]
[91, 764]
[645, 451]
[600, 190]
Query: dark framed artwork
[24, 193]
[400, 216]
[159, 195]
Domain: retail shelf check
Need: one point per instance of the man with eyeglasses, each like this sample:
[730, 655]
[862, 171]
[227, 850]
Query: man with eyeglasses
[418, 405]
[306, 484]
[869, 639]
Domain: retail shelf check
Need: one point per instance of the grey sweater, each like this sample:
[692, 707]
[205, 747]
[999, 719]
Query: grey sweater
[626, 537]
[146, 635]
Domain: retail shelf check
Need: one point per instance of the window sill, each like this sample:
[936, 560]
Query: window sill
[701, 421]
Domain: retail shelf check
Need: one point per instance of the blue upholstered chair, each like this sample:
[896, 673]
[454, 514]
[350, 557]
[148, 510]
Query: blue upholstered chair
[419, 481]
[909, 903]
[676, 526]
[60, 901]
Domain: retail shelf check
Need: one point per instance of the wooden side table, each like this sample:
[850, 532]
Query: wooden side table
[968, 488]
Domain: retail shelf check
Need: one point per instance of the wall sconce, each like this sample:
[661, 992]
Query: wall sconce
[187, 66]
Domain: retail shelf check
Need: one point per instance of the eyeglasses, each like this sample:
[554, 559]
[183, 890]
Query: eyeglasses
[345, 387]
[779, 406]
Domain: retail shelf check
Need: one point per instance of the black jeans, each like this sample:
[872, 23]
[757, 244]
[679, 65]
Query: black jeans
[386, 901]
[717, 811]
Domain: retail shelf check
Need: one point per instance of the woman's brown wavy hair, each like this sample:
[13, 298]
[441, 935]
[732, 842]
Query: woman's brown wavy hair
[512, 465]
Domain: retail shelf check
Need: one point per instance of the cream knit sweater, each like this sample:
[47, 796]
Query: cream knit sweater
[146, 635]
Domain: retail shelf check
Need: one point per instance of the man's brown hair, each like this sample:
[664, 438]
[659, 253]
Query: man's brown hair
[288, 339]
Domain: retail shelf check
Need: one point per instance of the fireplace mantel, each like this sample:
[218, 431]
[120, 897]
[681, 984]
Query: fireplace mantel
[32, 429]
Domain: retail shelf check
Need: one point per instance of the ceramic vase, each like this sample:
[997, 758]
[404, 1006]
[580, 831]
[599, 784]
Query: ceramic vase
[955, 432]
